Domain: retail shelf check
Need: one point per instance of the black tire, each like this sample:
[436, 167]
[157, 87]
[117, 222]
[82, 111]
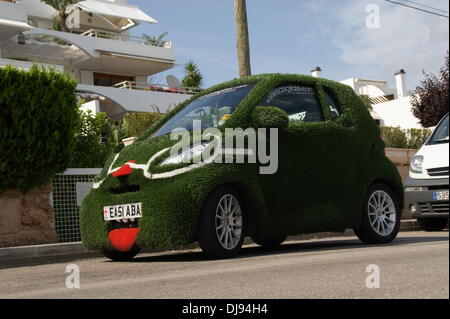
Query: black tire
[268, 243]
[208, 236]
[367, 233]
[116, 255]
[432, 224]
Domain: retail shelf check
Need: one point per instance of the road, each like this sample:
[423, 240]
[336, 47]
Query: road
[416, 265]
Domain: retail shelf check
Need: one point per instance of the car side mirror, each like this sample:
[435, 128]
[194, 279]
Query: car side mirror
[270, 117]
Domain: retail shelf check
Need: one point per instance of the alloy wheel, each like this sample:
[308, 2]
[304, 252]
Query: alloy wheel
[382, 213]
[228, 221]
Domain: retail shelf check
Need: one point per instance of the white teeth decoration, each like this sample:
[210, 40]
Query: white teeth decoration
[132, 220]
[124, 221]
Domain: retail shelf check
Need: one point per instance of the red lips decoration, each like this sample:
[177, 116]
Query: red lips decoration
[123, 239]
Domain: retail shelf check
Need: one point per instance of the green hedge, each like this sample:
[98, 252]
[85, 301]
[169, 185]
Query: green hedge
[404, 138]
[38, 111]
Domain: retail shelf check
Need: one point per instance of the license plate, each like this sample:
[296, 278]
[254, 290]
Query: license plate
[440, 195]
[124, 211]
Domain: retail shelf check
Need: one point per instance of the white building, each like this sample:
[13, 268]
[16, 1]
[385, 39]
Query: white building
[391, 107]
[111, 66]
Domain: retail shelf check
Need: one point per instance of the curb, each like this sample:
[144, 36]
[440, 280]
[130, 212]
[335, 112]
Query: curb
[76, 249]
[47, 250]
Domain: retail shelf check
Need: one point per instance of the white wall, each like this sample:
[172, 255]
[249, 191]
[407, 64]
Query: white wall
[141, 79]
[87, 77]
[93, 106]
[13, 11]
[397, 113]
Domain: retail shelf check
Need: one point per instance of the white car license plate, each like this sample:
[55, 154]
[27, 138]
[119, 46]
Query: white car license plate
[440, 195]
[124, 211]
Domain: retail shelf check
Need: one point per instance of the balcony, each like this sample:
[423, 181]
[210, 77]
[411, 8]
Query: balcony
[156, 88]
[94, 50]
[135, 97]
[124, 38]
[26, 65]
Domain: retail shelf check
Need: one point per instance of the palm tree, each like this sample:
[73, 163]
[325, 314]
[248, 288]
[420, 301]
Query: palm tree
[61, 6]
[193, 78]
[243, 47]
[157, 41]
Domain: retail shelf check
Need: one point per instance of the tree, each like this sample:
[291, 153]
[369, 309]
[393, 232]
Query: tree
[366, 101]
[193, 78]
[61, 6]
[93, 142]
[243, 47]
[430, 101]
[157, 41]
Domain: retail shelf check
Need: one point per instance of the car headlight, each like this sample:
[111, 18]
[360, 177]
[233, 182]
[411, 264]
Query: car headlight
[186, 156]
[416, 165]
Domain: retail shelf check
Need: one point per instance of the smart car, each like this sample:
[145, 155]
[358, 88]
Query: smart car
[426, 188]
[328, 173]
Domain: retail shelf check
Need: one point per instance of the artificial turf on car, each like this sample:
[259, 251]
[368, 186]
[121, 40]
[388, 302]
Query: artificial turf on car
[324, 171]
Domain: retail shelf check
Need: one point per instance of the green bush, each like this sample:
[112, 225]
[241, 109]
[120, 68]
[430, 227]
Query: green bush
[137, 123]
[93, 140]
[404, 138]
[38, 111]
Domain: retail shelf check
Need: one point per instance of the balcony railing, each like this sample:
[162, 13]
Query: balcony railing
[124, 37]
[156, 87]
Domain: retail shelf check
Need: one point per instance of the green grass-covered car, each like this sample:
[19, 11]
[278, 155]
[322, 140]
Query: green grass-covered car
[331, 173]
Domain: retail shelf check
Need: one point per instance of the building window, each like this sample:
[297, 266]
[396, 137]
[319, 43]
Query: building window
[104, 79]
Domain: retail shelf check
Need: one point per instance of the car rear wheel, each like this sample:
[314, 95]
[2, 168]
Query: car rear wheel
[381, 216]
[116, 255]
[432, 224]
[268, 243]
[221, 224]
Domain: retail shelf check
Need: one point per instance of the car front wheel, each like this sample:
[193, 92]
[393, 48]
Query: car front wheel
[221, 224]
[381, 216]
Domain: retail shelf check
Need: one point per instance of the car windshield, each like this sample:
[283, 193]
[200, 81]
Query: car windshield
[440, 135]
[212, 110]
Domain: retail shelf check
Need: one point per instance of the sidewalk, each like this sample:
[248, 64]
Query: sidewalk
[38, 254]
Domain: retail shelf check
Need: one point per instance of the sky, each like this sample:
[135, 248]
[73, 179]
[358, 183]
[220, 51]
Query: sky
[295, 36]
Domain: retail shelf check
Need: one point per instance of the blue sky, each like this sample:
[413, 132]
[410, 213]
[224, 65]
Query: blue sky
[293, 36]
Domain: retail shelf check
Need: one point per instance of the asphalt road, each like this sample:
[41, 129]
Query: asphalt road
[416, 265]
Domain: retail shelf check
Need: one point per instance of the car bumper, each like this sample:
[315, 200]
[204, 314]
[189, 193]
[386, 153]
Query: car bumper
[421, 203]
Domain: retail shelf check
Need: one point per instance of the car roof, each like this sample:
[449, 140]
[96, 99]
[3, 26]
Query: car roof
[277, 77]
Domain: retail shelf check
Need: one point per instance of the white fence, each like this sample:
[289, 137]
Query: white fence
[69, 190]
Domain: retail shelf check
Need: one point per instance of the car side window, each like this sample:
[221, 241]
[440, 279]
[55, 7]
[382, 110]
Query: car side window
[333, 104]
[299, 102]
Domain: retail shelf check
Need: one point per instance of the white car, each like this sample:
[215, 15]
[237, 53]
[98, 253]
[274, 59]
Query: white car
[426, 188]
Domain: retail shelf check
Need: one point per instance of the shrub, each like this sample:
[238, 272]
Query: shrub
[93, 140]
[137, 123]
[404, 138]
[38, 112]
